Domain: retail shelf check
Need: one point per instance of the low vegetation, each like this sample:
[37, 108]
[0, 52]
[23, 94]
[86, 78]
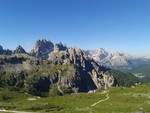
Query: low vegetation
[124, 79]
[121, 100]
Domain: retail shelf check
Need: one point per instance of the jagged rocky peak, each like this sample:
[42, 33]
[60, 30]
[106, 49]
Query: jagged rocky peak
[5, 51]
[83, 68]
[98, 54]
[60, 47]
[19, 49]
[42, 48]
[67, 56]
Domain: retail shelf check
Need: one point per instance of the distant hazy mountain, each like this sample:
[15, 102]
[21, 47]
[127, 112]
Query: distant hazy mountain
[98, 55]
[117, 60]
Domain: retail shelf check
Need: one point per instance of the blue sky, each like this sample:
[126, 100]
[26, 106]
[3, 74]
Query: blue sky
[116, 25]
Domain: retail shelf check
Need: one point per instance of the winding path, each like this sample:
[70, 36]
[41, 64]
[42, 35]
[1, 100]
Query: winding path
[11, 111]
[107, 97]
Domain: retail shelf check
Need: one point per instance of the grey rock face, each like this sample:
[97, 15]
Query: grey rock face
[59, 47]
[77, 80]
[5, 52]
[42, 48]
[84, 74]
[19, 49]
[69, 56]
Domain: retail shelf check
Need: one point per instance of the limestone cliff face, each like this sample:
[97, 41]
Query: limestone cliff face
[42, 48]
[84, 74]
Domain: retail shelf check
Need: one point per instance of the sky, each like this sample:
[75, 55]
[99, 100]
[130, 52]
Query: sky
[115, 25]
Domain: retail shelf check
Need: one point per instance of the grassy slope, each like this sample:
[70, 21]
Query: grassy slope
[122, 99]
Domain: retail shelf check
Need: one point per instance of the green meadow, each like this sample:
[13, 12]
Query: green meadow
[121, 100]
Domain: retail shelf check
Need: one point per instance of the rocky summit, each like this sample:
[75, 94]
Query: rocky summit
[42, 48]
[19, 49]
[60, 47]
[98, 54]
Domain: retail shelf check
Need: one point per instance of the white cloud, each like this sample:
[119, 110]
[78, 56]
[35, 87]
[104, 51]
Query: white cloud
[29, 45]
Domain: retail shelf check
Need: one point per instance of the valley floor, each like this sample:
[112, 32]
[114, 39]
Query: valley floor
[116, 100]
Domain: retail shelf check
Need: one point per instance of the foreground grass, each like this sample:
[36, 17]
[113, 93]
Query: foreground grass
[121, 100]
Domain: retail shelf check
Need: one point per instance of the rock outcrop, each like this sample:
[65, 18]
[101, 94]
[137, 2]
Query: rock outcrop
[5, 51]
[84, 74]
[42, 48]
[59, 47]
[19, 49]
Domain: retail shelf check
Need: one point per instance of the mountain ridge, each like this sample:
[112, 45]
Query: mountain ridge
[67, 70]
[41, 44]
[116, 60]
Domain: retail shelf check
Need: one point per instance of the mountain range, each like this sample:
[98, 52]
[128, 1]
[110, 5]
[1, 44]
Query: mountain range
[56, 69]
[117, 60]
